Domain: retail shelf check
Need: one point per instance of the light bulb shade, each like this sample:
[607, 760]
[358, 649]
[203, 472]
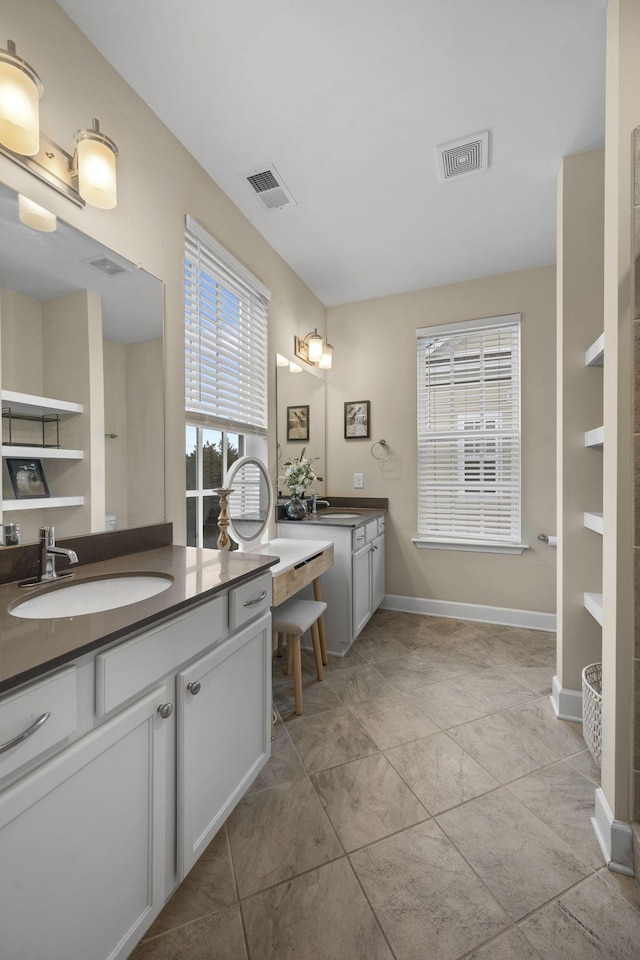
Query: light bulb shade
[326, 358]
[20, 92]
[96, 157]
[294, 367]
[281, 361]
[315, 343]
[33, 215]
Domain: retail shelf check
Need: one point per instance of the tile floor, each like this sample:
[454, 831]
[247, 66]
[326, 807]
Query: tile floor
[427, 806]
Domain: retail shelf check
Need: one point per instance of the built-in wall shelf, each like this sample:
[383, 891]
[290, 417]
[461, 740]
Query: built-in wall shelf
[43, 453]
[594, 356]
[32, 405]
[593, 603]
[41, 503]
[594, 521]
[594, 438]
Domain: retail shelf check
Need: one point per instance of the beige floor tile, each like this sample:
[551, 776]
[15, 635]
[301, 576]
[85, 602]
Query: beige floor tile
[494, 689]
[417, 671]
[512, 945]
[351, 659]
[564, 800]
[448, 703]
[428, 900]
[439, 772]
[394, 720]
[517, 856]
[367, 800]
[215, 937]
[518, 741]
[322, 915]
[627, 887]
[591, 922]
[329, 738]
[586, 765]
[207, 888]
[317, 696]
[360, 683]
[533, 676]
[278, 833]
[379, 646]
[284, 764]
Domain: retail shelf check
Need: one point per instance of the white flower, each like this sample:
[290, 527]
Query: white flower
[299, 474]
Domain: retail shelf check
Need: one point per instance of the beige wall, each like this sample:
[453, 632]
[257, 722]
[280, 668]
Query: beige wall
[375, 359]
[158, 183]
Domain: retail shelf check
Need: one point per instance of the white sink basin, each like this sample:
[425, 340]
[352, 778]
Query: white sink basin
[337, 516]
[73, 599]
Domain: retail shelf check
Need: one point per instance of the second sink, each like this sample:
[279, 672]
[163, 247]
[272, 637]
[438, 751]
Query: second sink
[336, 516]
[90, 596]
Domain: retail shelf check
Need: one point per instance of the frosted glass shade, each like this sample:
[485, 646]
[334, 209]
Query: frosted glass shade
[19, 108]
[33, 215]
[96, 165]
[327, 357]
[315, 344]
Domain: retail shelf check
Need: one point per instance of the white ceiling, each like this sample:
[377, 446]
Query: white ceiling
[349, 99]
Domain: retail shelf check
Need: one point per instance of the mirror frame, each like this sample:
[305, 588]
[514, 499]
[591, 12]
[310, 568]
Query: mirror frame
[228, 482]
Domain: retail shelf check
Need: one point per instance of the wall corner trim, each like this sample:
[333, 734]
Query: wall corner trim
[567, 704]
[615, 837]
[506, 616]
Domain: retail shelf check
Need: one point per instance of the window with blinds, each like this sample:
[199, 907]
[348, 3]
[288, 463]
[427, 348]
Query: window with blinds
[225, 337]
[469, 432]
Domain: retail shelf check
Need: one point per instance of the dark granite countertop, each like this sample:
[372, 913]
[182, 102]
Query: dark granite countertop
[29, 648]
[328, 517]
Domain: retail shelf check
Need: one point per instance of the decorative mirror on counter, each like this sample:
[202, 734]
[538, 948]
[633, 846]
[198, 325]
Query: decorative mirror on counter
[81, 349]
[251, 501]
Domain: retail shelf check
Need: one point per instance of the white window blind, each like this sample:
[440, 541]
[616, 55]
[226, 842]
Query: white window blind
[225, 337]
[469, 431]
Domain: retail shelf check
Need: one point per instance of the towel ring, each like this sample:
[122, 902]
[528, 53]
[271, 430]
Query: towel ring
[385, 449]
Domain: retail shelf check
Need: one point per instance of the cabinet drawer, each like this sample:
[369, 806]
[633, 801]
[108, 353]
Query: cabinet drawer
[381, 521]
[249, 601]
[371, 530]
[128, 669]
[359, 538]
[21, 711]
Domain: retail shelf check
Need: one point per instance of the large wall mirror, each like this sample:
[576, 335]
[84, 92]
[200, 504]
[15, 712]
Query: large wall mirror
[301, 414]
[82, 371]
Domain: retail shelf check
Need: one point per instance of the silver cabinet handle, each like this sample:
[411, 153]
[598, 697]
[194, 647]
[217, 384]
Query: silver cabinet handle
[29, 732]
[165, 710]
[250, 603]
[194, 687]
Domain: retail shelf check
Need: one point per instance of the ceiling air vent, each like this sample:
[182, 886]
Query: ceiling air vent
[109, 267]
[267, 183]
[461, 158]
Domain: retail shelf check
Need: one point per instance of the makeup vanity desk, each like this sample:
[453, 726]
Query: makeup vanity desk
[301, 563]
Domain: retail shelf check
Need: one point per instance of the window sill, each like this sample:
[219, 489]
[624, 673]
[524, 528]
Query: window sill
[472, 546]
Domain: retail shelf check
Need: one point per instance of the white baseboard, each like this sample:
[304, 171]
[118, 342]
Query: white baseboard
[567, 704]
[529, 619]
[614, 836]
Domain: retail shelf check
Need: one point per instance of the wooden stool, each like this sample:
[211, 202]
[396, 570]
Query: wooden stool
[293, 618]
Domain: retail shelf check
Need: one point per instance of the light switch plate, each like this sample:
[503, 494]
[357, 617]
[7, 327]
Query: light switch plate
[358, 481]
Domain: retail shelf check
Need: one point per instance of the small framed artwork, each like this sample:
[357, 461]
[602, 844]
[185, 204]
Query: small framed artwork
[298, 423]
[27, 478]
[356, 419]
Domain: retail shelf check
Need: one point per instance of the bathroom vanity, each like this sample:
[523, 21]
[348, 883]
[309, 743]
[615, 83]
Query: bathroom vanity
[133, 733]
[354, 587]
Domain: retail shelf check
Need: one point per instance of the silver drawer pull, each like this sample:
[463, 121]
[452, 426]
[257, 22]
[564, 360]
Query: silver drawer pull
[165, 710]
[194, 688]
[29, 732]
[250, 603]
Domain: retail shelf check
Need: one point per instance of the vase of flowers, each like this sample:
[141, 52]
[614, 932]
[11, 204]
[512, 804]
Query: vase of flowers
[299, 476]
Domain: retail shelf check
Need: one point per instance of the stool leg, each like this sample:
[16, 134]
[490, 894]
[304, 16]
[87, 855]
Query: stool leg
[280, 644]
[289, 654]
[315, 636]
[317, 593]
[297, 674]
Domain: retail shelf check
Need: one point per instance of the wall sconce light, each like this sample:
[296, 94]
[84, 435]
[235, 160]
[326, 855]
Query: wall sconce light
[87, 176]
[33, 215]
[314, 349]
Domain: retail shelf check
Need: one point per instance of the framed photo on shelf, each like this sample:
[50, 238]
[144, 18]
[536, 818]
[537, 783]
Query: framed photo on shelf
[27, 478]
[357, 414]
[298, 422]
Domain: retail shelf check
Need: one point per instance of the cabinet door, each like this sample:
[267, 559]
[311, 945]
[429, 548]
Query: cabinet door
[377, 573]
[82, 843]
[361, 588]
[224, 738]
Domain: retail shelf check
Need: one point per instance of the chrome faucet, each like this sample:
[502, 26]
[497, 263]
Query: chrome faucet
[47, 553]
[315, 502]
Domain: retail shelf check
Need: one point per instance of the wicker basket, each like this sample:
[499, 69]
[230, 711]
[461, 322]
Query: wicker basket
[592, 710]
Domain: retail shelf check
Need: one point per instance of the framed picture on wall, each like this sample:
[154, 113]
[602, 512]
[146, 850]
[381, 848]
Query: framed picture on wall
[298, 422]
[357, 414]
[27, 478]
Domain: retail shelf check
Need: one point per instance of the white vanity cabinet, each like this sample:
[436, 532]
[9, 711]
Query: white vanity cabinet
[92, 841]
[354, 587]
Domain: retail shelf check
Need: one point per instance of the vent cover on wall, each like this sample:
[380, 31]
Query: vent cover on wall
[461, 158]
[109, 266]
[266, 182]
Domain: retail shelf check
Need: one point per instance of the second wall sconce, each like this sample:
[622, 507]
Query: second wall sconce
[314, 349]
[89, 176]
